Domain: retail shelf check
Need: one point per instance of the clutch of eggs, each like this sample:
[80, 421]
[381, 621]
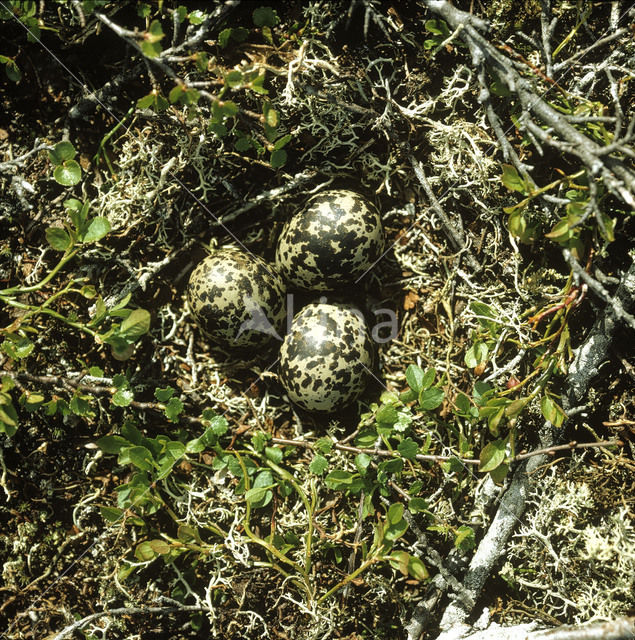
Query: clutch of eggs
[332, 242]
[326, 357]
[238, 300]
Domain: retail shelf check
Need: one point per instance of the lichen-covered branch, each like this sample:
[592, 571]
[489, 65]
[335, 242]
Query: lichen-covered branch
[618, 177]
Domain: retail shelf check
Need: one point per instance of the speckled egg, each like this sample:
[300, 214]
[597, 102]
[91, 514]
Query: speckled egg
[238, 299]
[330, 243]
[326, 357]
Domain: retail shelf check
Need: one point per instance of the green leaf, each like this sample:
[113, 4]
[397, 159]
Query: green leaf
[318, 465]
[8, 416]
[139, 456]
[196, 17]
[234, 79]
[323, 445]
[514, 408]
[552, 411]
[62, 152]
[561, 231]
[397, 526]
[68, 174]
[112, 444]
[259, 496]
[492, 455]
[417, 569]
[218, 425]
[463, 405]
[32, 401]
[146, 101]
[160, 546]
[144, 552]
[518, 226]
[89, 292]
[430, 399]
[476, 354]
[151, 49]
[417, 505]
[408, 448]
[274, 454]
[259, 441]
[265, 17]
[465, 538]
[17, 347]
[80, 405]
[362, 461]
[339, 479]
[120, 381]
[438, 27]
[399, 561]
[175, 449]
[499, 88]
[228, 108]
[175, 93]
[414, 378]
[387, 415]
[494, 420]
[395, 513]
[143, 10]
[278, 158]
[512, 180]
[111, 514]
[58, 238]
[173, 409]
[224, 37]
[498, 474]
[485, 311]
[186, 533]
[122, 398]
[97, 229]
[13, 71]
[163, 395]
[281, 142]
[135, 325]
[218, 129]
[242, 144]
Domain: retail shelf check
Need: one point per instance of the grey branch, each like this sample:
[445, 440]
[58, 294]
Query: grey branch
[595, 350]
[492, 547]
[617, 176]
[123, 611]
[455, 235]
[620, 629]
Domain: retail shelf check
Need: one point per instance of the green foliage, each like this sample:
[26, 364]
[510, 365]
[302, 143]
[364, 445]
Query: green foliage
[151, 42]
[67, 171]
[152, 461]
[11, 68]
[440, 33]
[8, 414]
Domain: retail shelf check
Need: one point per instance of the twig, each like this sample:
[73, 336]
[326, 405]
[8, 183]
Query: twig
[123, 611]
[19, 161]
[590, 355]
[620, 629]
[618, 177]
[454, 235]
[615, 303]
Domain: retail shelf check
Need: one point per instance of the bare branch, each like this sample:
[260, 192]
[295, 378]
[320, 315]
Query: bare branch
[619, 178]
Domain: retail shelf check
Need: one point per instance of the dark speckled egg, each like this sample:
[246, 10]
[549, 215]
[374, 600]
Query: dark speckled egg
[330, 243]
[326, 357]
[238, 300]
